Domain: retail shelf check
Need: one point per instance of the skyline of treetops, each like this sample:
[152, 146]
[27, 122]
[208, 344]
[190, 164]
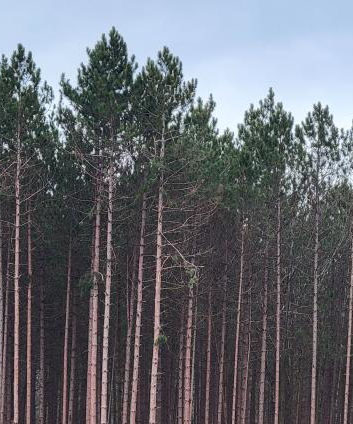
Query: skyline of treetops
[157, 270]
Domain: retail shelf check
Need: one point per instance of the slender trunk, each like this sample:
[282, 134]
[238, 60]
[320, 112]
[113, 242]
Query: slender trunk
[73, 361]
[29, 323]
[192, 406]
[349, 342]
[5, 388]
[221, 362]
[66, 337]
[278, 311]
[316, 277]
[208, 358]
[2, 387]
[180, 371]
[128, 345]
[136, 366]
[106, 325]
[17, 290]
[244, 397]
[41, 356]
[88, 390]
[157, 298]
[187, 375]
[237, 333]
[94, 294]
[263, 343]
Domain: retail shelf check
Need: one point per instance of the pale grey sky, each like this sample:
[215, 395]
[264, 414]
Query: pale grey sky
[236, 49]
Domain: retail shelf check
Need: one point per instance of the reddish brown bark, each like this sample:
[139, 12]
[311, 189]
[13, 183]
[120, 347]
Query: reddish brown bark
[29, 323]
[138, 321]
[157, 299]
[237, 331]
[108, 282]
[66, 337]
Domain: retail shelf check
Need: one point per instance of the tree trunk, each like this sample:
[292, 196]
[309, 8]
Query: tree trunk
[5, 389]
[41, 356]
[263, 343]
[106, 325]
[349, 342]
[128, 344]
[73, 361]
[221, 361]
[208, 358]
[316, 277]
[278, 311]
[237, 333]
[180, 371]
[137, 342]
[2, 386]
[66, 336]
[157, 298]
[187, 374]
[29, 323]
[94, 294]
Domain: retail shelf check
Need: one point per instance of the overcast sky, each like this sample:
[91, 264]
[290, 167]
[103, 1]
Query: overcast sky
[236, 49]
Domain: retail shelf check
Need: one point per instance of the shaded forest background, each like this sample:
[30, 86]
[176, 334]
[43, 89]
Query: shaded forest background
[154, 270]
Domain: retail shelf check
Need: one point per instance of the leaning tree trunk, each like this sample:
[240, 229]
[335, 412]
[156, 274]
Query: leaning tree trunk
[349, 342]
[106, 325]
[278, 311]
[157, 299]
[29, 322]
[66, 337]
[263, 342]
[137, 343]
[237, 332]
[17, 291]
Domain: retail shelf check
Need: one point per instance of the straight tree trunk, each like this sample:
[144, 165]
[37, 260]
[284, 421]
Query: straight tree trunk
[95, 293]
[278, 312]
[180, 371]
[89, 355]
[263, 343]
[17, 289]
[157, 298]
[41, 357]
[221, 361]
[106, 325]
[244, 397]
[188, 346]
[128, 345]
[29, 323]
[66, 336]
[137, 342]
[208, 358]
[193, 368]
[349, 342]
[73, 361]
[2, 387]
[237, 332]
[316, 277]
[5, 388]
